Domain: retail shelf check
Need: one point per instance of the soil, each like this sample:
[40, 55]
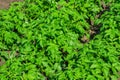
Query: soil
[4, 4]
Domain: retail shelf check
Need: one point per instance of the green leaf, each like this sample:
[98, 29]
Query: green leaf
[106, 72]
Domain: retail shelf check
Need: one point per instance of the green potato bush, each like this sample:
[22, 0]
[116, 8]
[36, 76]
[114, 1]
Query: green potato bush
[42, 40]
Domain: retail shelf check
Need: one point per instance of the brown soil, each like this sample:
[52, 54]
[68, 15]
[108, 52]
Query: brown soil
[4, 4]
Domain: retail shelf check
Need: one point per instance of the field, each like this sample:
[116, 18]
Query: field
[60, 40]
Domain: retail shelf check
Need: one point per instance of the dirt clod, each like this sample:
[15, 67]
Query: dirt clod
[4, 4]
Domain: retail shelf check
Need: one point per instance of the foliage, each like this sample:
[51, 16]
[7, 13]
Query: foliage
[41, 39]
